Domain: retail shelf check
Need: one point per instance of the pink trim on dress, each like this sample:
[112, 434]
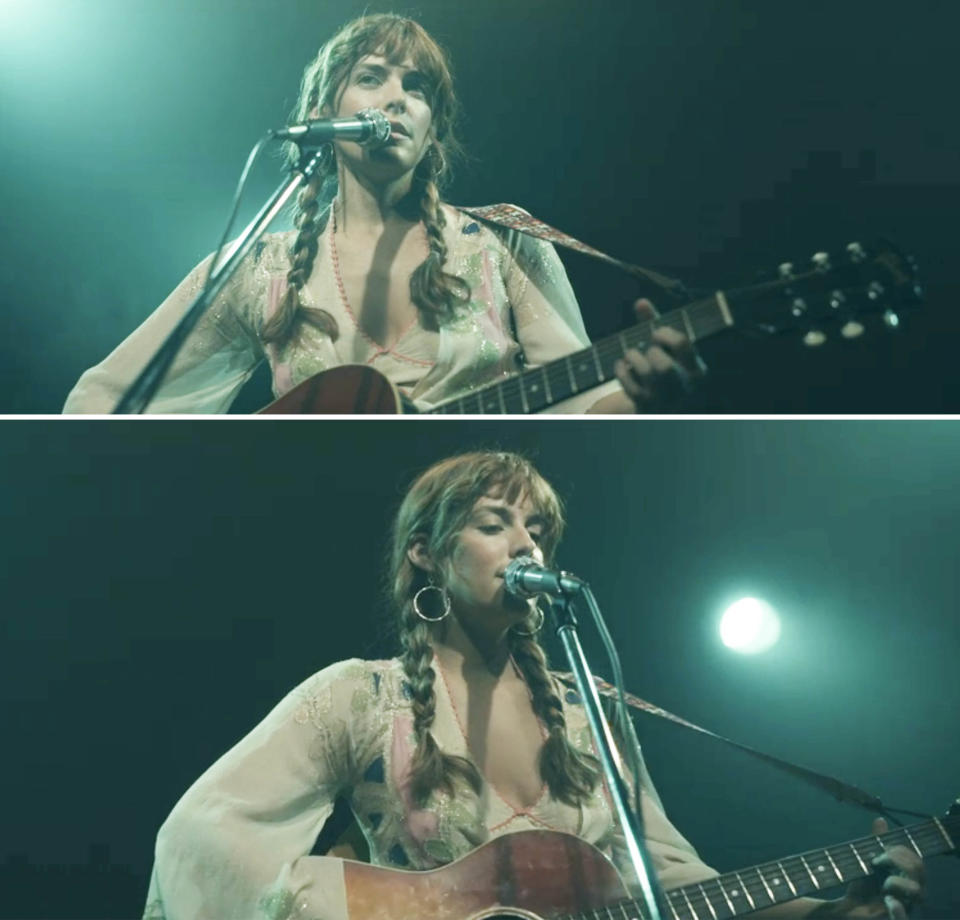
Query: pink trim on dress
[282, 377]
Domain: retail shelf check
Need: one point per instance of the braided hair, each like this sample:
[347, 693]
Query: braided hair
[434, 291]
[435, 510]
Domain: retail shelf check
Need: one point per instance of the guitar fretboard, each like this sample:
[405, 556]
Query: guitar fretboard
[747, 890]
[535, 389]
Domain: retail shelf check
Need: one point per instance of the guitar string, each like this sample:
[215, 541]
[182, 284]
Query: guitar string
[793, 867]
[607, 350]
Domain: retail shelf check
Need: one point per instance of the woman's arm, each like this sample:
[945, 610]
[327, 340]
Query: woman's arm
[546, 312]
[236, 845]
[217, 358]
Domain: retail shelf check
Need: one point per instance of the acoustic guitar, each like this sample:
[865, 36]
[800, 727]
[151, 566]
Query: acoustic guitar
[547, 875]
[835, 292]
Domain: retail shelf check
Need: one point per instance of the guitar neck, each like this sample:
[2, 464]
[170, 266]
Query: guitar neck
[540, 387]
[771, 883]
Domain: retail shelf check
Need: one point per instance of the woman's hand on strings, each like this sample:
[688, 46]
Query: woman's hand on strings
[888, 895]
[658, 379]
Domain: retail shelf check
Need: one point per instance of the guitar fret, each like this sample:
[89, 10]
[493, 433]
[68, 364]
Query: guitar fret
[503, 407]
[834, 865]
[726, 897]
[713, 913]
[686, 323]
[546, 384]
[623, 343]
[690, 907]
[573, 383]
[765, 885]
[523, 395]
[673, 910]
[746, 893]
[783, 872]
[913, 842]
[946, 836]
[813, 878]
[863, 865]
[596, 361]
[724, 307]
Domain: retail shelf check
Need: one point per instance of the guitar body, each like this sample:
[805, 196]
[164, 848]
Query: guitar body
[533, 875]
[353, 389]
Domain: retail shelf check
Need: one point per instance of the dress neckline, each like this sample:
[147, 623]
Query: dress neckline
[516, 809]
[379, 348]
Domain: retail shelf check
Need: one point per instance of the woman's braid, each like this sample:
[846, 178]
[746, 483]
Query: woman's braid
[310, 224]
[570, 776]
[431, 768]
[435, 292]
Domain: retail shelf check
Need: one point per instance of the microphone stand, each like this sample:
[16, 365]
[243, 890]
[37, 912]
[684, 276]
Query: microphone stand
[630, 821]
[143, 388]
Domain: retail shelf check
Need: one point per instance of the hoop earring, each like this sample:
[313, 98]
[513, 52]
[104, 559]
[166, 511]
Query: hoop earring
[446, 604]
[536, 629]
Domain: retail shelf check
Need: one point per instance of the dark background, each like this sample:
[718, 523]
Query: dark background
[166, 583]
[706, 138]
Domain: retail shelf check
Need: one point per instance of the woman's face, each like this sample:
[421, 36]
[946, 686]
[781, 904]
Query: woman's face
[400, 92]
[496, 533]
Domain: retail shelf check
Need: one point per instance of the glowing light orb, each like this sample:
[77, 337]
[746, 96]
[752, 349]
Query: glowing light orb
[749, 626]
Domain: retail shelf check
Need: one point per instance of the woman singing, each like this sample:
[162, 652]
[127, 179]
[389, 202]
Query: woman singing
[462, 738]
[380, 271]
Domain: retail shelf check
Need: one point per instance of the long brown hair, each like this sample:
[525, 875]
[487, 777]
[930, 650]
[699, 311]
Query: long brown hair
[435, 292]
[436, 509]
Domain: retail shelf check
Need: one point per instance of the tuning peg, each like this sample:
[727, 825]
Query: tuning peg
[821, 262]
[814, 338]
[891, 320]
[798, 307]
[837, 299]
[785, 270]
[856, 253]
[876, 290]
[851, 329]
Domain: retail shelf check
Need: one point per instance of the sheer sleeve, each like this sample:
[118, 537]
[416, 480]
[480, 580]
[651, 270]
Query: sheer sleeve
[675, 860]
[545, 310]
[236, 845]
[217, 358]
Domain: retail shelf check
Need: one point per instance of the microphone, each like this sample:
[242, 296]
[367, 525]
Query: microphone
[525, 577]
[369, 128]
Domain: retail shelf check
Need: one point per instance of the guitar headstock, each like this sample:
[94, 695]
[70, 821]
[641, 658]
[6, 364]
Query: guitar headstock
[835, 292]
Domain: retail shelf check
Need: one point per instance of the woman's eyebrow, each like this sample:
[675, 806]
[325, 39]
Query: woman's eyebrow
[504, 512]
[385, 66]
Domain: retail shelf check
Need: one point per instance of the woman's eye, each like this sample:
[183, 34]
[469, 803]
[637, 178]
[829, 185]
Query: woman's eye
[491, 528]
[417, 86]
[367, 78]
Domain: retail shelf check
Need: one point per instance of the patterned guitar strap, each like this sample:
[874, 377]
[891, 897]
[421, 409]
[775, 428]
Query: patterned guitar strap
[514, 218]
[840, 790]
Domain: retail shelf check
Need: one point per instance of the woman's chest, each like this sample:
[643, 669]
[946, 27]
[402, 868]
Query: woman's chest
[373, 278]
[503, 737]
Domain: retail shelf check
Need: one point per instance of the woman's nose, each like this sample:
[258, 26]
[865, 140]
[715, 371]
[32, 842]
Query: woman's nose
[396, 98]
[524, 545]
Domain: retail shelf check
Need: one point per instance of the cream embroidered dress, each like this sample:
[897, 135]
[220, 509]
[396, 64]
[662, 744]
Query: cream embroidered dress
[236, 845]
[522, 313]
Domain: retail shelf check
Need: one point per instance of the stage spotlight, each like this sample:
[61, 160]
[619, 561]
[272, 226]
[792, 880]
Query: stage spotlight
[749, 626]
